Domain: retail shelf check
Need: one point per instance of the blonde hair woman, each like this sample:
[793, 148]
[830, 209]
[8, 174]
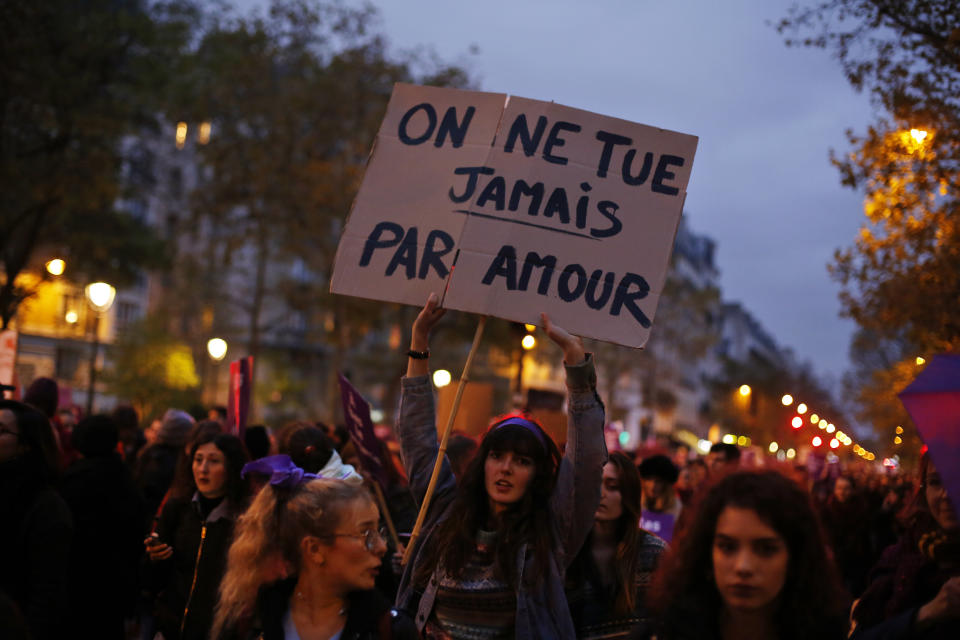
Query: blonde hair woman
[303, 563]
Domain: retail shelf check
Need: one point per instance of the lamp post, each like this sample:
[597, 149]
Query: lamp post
[100, 296]
[217, 350]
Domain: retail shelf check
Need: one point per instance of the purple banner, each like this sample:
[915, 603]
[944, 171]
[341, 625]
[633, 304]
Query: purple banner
[933, 402]
[356, 414]
[660, 524]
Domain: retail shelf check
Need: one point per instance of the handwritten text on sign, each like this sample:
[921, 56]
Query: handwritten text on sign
[543, 208]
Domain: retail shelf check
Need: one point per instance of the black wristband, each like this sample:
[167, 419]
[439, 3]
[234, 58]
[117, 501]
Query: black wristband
[419, 355]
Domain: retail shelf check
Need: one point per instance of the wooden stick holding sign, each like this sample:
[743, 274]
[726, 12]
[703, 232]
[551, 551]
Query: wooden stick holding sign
[416, 365]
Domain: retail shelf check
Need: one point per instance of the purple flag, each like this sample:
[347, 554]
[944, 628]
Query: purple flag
[356, 413]
[933, 401]
[660, 524]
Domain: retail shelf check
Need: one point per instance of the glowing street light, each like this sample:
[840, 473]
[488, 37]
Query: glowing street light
[920, 360]
[773, 447]
[441, 378]
[898, 440]
[217, 348]
[100, 296]
[899, 430]
[56, 266]
[528, 342]
[814, 418]
[801, 408]
[797, 422]
[817, 441]
[791, 454]
[918, 135]
[787, 400]
[831, 428]
[530, 327]
[745, 390]
[181, 136]
[834, 443]
[71, 317]
[822, 424]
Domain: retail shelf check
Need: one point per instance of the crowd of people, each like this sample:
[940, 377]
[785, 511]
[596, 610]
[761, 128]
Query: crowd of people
[181, 530]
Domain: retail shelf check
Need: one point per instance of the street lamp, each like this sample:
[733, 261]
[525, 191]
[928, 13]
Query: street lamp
[56, 266]
[441, 378]
[100, 296]
[745, 390]
[217, 348]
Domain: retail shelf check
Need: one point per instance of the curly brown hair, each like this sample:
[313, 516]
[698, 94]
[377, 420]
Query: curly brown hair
[812, 603]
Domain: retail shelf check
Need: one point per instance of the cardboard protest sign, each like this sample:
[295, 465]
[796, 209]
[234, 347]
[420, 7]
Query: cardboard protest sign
[241, 389]
[356, 414]
[539, 207]
[933, 402]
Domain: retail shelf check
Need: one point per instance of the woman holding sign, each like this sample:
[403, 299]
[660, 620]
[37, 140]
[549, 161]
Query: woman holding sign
[494, 551]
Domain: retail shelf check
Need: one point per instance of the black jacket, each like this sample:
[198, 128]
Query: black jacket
[35, 535]
[188, 581]
[102, 580]
[369, 616]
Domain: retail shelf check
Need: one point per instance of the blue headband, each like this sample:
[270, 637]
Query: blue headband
[526, 424]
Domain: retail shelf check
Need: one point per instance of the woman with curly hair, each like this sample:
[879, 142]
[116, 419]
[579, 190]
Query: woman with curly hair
[304, 562]
[752, 564]
[611, 575]
[494, 551]
[914, 590]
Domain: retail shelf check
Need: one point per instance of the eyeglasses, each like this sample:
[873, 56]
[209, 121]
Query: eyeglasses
[370, 537]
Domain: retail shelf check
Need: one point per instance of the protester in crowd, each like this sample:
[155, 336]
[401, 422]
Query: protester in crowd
[845, 522]
[128, 431]
[188, 550]
[257, 439]
[723, 459]
[304, 562]
[609, 579]
[158, 462]
[108, 517]
[460, 451]
[492, 555]
[183, 485]
[218, 413]
[914, 591]
[36, 529]
[43, 394]
[753, 564]
[692, 479]
[660, 505]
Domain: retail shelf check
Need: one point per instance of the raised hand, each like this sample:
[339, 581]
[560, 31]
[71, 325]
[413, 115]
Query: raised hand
[572, 345]
[428, 318]
[420, 335]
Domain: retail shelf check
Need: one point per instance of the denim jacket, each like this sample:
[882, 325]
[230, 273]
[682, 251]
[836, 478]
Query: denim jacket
[542, 610]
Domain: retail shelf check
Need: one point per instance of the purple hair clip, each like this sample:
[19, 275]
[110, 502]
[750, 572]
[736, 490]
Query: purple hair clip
[517, 421]
[281, 469]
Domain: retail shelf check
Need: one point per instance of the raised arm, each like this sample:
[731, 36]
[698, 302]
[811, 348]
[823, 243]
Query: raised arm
[417, 424]
[577, 494]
